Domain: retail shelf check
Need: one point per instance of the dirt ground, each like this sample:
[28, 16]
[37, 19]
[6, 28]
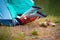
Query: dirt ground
[44, 33]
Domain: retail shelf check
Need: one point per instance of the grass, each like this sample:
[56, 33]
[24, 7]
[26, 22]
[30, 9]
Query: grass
[5, 34]
[51, 18]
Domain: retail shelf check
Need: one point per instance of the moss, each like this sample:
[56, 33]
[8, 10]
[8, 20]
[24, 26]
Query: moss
[35, 32]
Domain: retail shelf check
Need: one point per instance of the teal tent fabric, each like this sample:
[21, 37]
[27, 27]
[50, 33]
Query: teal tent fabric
[4, 12]
[19, 6]
[12, 11]
[5, 16]
[10, 8]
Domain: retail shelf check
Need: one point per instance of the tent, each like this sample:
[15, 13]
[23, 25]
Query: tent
[10, 8]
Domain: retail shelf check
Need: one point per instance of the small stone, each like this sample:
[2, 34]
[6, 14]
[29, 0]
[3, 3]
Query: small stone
[52, 24]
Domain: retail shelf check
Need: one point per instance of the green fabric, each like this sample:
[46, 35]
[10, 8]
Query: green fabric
[18, 6]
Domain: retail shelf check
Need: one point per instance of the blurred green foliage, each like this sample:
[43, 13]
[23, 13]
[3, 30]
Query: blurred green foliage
[51, 8]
